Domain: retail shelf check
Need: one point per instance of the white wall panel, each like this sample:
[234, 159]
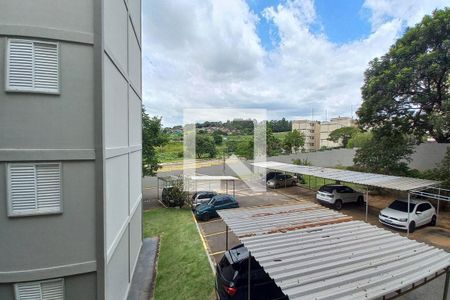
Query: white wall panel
[116, 107]
[134, 59]
[117, 269]
[134, 118]
[116, 28]
[135, 178]
[116, 197]
[135, 237]
[135, 12]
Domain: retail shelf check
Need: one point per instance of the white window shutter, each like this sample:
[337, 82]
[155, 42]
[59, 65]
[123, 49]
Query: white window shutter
[52, 290]
[20, 65]
[32, 66]
[22, 188]
[34, 188]
[48, 185]
[46, 66]
[28, 291]
[40, 290]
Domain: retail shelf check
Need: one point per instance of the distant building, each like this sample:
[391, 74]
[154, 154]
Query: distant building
[311, 131]
[329, 126]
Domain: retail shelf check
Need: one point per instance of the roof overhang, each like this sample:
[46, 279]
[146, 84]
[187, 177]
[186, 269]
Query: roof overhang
[367, 179]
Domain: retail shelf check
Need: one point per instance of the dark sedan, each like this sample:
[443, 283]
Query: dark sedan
[206, 211]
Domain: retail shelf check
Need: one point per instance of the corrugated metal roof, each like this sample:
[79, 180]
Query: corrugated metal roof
[367, 179]
[339, 260]
[211, 178]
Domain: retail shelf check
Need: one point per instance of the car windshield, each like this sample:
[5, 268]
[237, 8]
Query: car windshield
[402, 206]
[327, 188]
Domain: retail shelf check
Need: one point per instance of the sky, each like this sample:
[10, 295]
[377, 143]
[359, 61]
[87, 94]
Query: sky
[298, 59]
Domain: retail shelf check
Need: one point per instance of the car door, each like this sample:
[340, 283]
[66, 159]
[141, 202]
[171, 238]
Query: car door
[344, 194]
[426, 213]
[420, 214]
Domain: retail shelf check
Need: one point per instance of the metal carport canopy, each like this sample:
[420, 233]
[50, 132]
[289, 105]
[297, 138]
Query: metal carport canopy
[367, 179]
[338, 259]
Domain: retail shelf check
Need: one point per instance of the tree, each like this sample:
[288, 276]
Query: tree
[407, 89]
[342, 135]
[218, 139]
[273, 144]
[359, 139]
[204, 145]
[385, 153]
[152, 137]
[293, 141]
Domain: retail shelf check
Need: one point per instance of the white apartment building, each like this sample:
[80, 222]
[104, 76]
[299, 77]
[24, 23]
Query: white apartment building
[311, 131]
[329, 126]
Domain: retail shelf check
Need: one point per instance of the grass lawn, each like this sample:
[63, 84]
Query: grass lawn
[183, 270]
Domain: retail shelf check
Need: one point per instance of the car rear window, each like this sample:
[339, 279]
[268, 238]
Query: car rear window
[327, 188]
[227, 269]
[402, 206]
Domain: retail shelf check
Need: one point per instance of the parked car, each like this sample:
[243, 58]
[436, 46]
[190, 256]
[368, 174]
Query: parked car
[420, 213]
[232, 278]
[202, 197]
[337, 195]
[282, 180]
[208, 210]
[271, 175]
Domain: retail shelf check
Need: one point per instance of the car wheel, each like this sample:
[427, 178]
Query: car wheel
[360, 201]
[338, 204]
[205, 217]
[433, 221]
[412, 226]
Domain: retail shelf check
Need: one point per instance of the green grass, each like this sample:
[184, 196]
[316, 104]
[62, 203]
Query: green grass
[183, 270]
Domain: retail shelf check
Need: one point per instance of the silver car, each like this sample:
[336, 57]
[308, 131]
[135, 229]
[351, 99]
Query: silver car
[202, 197]
[337, 195]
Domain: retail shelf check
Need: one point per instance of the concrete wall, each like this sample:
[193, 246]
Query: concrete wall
[42, 127]
[426, 156]
[122, 143]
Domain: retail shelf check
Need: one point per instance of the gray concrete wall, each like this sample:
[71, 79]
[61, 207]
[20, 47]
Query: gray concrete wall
[425, 156]
[42, 127]
[50, 246]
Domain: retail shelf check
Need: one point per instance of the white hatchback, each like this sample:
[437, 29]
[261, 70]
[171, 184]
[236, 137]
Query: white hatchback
[396, 214]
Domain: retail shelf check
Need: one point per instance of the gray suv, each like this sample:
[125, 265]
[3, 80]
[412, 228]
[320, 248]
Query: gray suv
[336, 195]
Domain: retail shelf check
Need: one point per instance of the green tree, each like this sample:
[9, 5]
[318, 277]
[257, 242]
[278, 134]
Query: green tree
[408, 88]
[152, 137]
[204, 145]
[273, 144]
[342, 135]
[293, 141]
[359, 139]
[218, 139]
[385, 153]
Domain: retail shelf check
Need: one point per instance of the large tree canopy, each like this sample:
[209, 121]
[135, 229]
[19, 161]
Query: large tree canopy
[407, 89]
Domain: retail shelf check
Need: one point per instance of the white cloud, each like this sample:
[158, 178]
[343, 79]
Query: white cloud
[206, 53]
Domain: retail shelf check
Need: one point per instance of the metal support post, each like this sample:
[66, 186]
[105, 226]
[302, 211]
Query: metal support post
[407, 223]
[234, 188]
[367, 204]
[226, 238]
[446, 284]
[226, 186]
[249, 273]
[285, 179]
[437, 211]
[157, 187]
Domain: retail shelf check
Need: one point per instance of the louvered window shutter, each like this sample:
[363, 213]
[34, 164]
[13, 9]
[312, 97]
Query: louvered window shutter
[48, 183]
[33, 66]
[20, 65]
[45, 66]
[34, 188]
[40, 290]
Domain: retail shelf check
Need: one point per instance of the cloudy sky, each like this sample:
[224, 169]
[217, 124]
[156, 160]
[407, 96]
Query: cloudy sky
[296, 59]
